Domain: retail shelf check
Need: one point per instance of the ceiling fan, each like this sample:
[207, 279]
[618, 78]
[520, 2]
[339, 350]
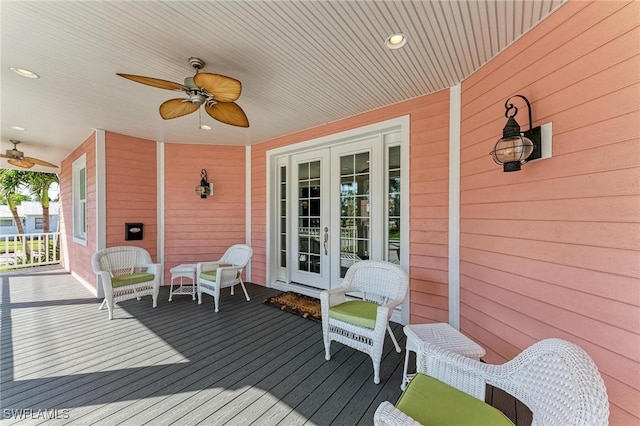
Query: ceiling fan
[18, 159]
[216, 92]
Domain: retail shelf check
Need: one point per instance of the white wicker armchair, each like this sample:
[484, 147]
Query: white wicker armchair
[222, 273]
[556, 379]
[126, 272]
[362, 324]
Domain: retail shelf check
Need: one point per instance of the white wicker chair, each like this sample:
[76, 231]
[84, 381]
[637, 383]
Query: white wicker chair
[126, 272]
[382, 283]
[222, 273]
[556, 379]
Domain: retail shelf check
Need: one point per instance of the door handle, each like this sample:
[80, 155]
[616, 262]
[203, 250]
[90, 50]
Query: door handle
[326, 239]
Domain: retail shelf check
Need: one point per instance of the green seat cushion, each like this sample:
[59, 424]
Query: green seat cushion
[211, 275]
[139, 277]
[357, 312]
[432, 402]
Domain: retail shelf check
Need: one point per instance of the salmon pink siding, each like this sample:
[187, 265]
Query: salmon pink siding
[131, 190]
[199, 229]
[76, 257]
[429, 210]
[429, 174]
[553, 250]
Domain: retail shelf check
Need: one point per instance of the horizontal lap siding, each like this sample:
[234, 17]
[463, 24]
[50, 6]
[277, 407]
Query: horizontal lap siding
[76, 257]
[554, 250]
[131, 190]
[197, 229]
[428, 210]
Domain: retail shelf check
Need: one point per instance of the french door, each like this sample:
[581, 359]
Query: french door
[336, 201]
[310, 216]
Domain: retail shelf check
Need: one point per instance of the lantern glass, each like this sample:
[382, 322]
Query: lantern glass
[203, 190]
[516, 148]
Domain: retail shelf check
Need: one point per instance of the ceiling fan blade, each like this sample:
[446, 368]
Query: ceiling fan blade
[5, 156]
[38, 162]
[223, 88]
[20, 163]
[229, 113]
[155, 82]
[174, 108]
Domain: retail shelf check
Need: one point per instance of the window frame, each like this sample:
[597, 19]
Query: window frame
[79, 174]
[38, 220]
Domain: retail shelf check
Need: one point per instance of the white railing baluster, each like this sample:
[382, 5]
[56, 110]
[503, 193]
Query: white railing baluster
[43, 249]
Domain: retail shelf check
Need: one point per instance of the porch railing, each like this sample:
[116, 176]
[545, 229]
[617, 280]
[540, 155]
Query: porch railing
[25, 250]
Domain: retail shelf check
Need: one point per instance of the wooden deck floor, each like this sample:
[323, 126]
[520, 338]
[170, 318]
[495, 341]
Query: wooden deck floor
[180, 363]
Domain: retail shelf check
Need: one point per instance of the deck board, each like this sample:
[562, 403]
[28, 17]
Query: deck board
[178, 363]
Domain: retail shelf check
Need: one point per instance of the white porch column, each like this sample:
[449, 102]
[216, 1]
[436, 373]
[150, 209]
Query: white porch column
[101, 198]
[160, 204]
[454, 205]
[247, 203]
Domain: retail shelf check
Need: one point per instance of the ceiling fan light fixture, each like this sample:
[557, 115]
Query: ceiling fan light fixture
[197, 98]
[216, 92]
[396, 41]
[22, 72]
[17, 158]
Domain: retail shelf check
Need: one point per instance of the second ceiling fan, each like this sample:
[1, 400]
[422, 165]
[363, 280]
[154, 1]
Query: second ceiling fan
[216, 92]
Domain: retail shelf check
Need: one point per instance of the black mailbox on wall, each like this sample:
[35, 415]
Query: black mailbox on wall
[133, 231]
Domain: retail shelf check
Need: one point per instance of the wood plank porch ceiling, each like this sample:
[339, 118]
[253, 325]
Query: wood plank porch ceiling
[302, 63]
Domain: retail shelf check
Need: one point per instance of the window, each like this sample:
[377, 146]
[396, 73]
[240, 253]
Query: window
[6, 222]
[393, 205]
[39, 222]
[79, 169]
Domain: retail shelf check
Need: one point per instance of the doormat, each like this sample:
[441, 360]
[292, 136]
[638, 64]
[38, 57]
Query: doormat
[298, 304]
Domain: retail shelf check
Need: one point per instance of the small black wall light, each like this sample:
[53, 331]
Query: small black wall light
[205, 188]
[516, 148]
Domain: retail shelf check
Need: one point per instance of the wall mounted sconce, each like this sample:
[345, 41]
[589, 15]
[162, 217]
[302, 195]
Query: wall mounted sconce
[205, 188]
[515, 147]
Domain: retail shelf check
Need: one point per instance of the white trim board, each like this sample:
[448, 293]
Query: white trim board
[247, 203]
[455, 103]
[160, 205]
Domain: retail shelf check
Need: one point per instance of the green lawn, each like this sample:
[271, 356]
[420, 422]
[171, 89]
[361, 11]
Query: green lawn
[13, 246]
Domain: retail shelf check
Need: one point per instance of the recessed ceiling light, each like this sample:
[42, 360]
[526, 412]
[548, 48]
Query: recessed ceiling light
[205, 127]
[24, 73]
[17, 127]
[396, 41]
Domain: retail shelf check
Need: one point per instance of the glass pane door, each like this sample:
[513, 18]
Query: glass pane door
[310, 211]
[309, 233]
[355, 238]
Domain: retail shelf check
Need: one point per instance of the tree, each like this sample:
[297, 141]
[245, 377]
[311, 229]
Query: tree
[39, 183]
[18, 198]
[10, 182]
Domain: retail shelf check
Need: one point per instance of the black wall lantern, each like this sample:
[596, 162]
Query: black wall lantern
[205, 188]
[516, 148]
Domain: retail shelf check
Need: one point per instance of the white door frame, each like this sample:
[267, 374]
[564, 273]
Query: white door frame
[273, 157]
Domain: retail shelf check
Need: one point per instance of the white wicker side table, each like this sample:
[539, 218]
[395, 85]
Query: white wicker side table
[440, 334]
[186, 270]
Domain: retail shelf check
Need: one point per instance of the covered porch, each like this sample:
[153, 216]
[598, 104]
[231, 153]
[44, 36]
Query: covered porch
[508, 258]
